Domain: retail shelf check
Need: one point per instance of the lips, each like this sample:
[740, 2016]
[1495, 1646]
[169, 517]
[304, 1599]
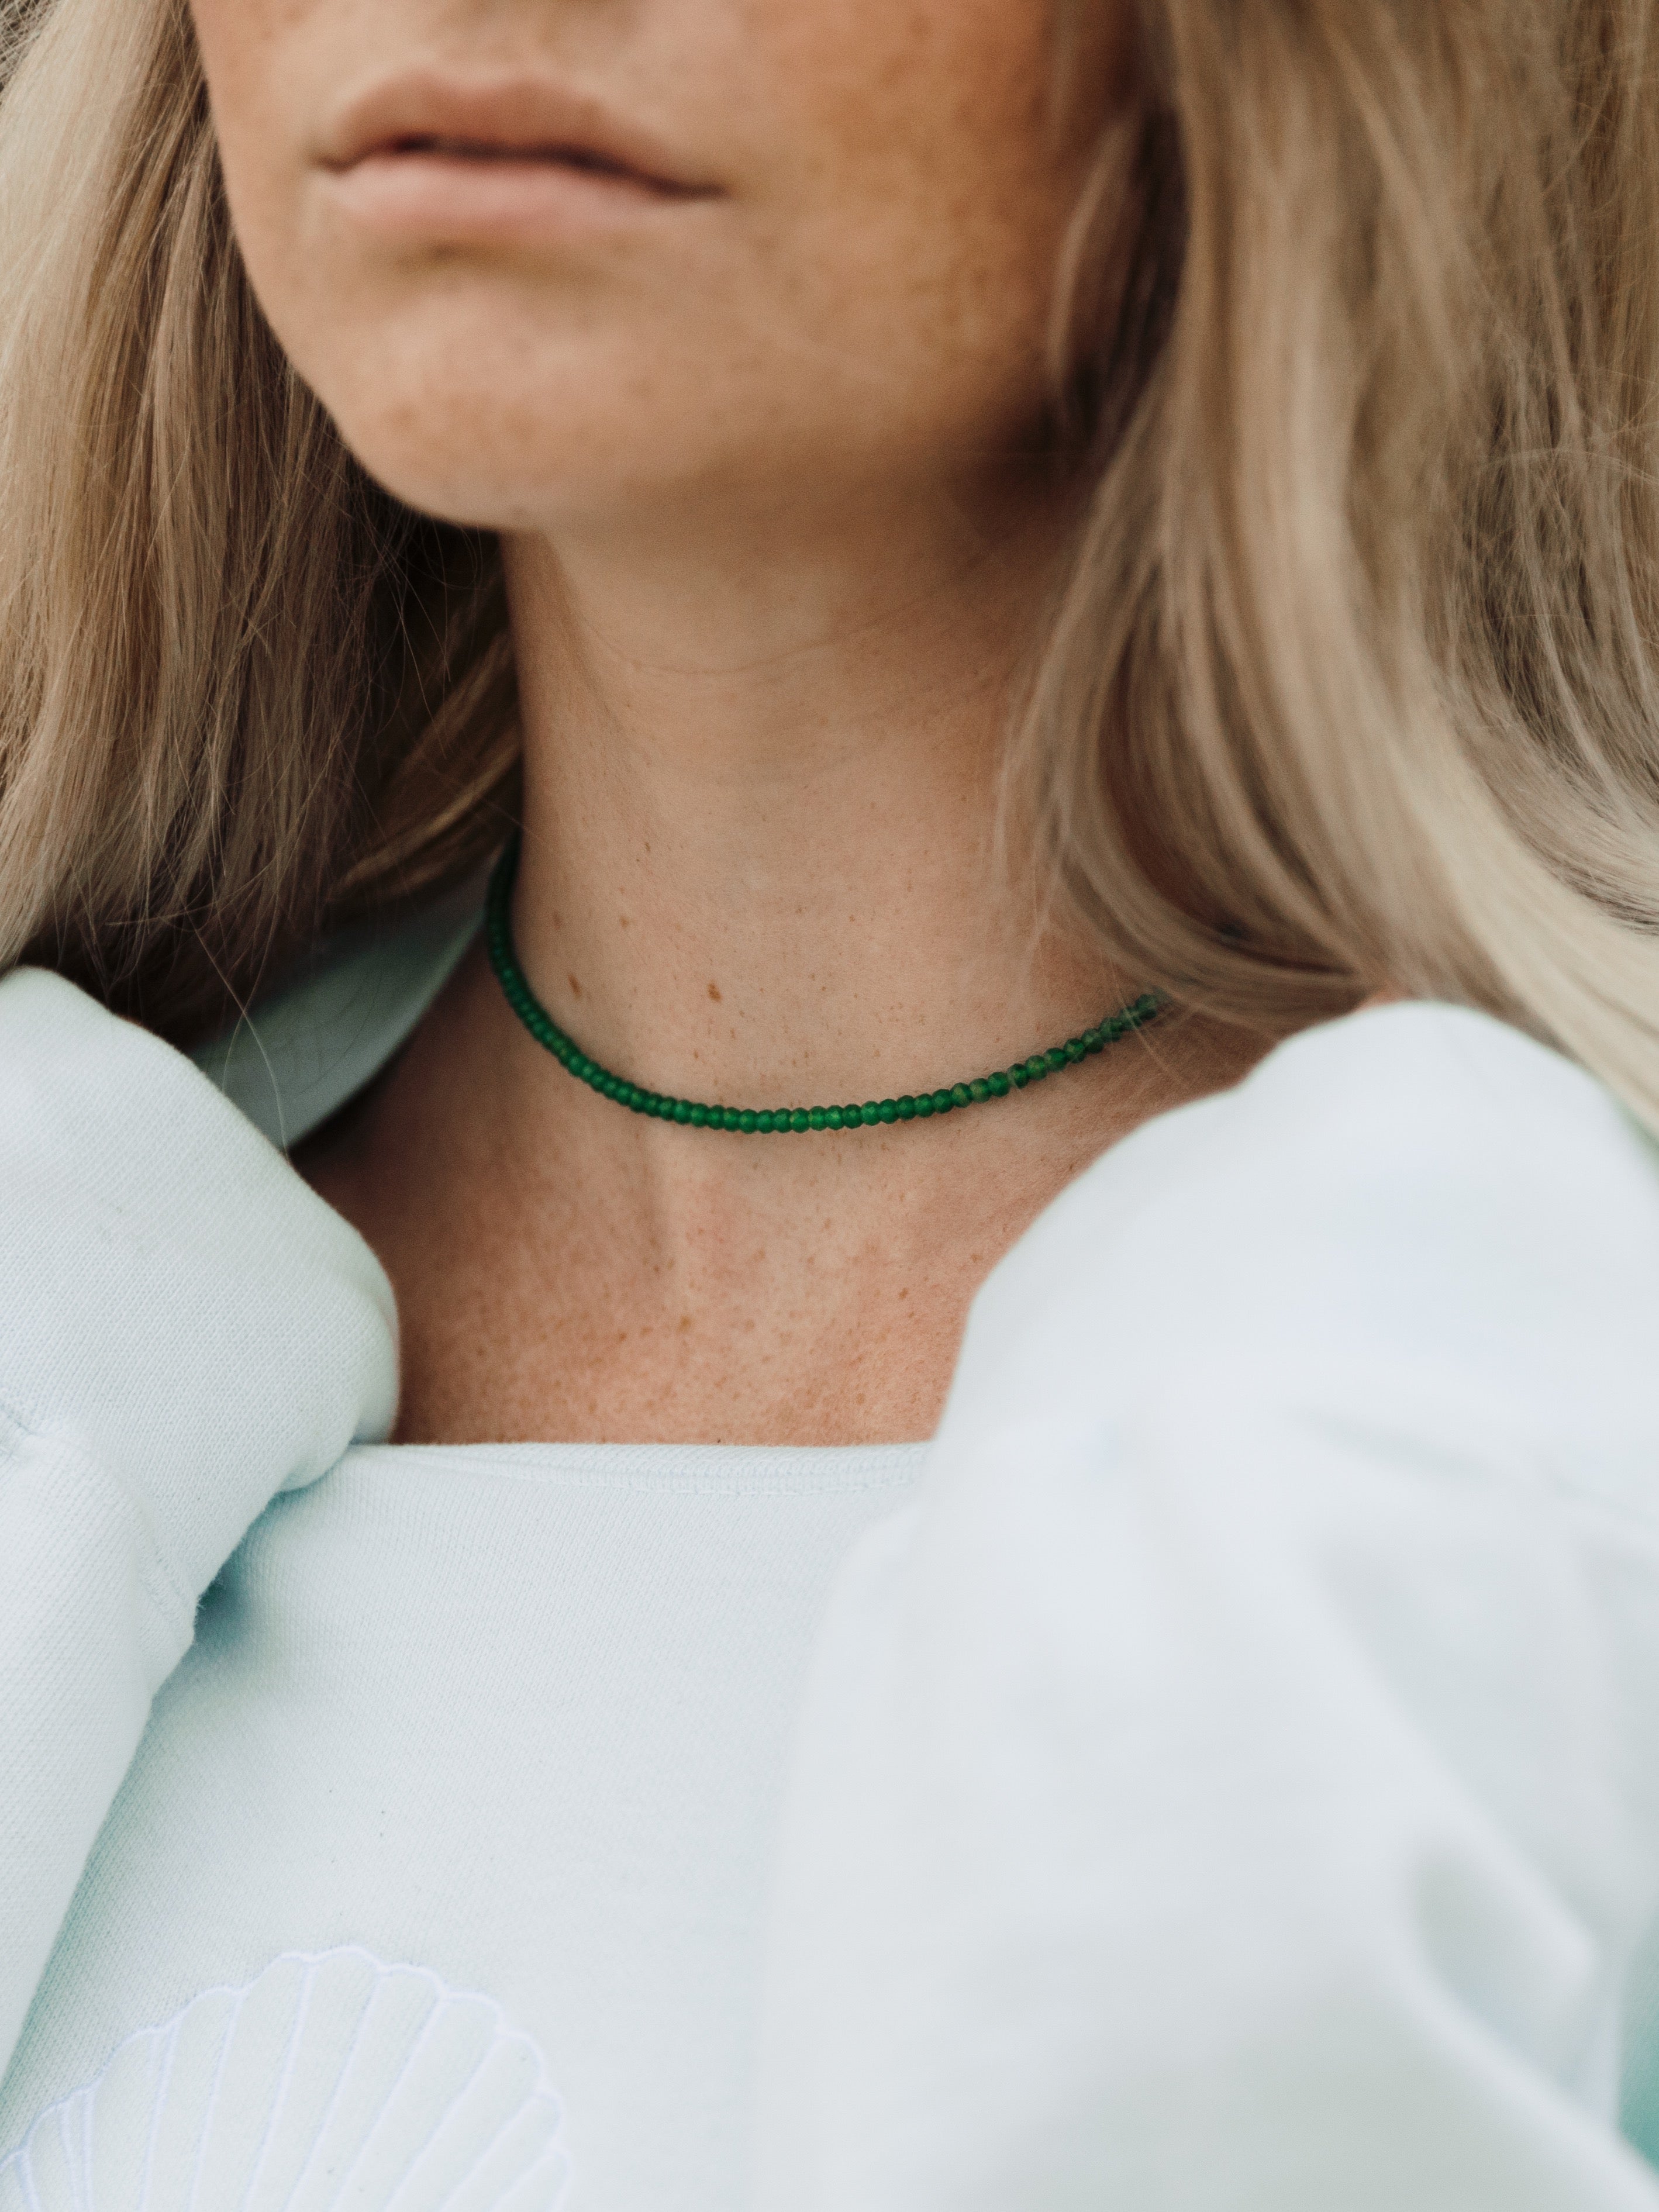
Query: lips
[521, 121]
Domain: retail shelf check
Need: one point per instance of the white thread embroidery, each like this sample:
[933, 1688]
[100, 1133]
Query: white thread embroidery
[330, 2078]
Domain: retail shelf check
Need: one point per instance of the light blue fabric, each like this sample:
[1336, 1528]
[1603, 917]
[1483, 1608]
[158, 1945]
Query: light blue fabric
[1227, 1778]
[296, 1057]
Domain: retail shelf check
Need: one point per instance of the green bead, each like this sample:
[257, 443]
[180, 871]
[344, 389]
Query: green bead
[943, 1102]
[730, 1118]
[698, 1117]
[832, 1118]
[962, 1095]
[763, 1123]
[905, 1108]
[681, 1111]
[1093, 1041]
[870, 1113]
[1056, 1059]
[748, 1120]
[851, 1116]
[819, 1118]
[924, 1106]
[1075, 1050]
[998, 1084]
[890, 1110]
[1017, 1075]
[801, 1120]
[979, 1091]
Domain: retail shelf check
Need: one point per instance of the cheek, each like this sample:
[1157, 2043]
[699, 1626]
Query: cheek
[920, 221]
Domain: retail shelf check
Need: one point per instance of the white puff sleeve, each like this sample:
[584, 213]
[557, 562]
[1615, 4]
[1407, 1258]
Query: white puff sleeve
[1233, 1785]
[185, 1330]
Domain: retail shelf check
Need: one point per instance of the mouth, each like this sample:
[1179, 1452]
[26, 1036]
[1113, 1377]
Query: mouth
[455, 160]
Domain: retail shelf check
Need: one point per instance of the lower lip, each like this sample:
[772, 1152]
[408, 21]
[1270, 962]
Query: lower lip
[444, 200]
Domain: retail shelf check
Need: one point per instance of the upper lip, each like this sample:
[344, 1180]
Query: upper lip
[527, 114]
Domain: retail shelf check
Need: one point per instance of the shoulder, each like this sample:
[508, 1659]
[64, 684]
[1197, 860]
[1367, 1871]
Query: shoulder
[1416, 1201]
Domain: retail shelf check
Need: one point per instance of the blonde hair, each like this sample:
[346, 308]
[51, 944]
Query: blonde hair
[1353, 679]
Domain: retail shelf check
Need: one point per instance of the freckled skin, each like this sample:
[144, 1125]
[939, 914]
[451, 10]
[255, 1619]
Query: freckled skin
[873, 278]
[778, 520]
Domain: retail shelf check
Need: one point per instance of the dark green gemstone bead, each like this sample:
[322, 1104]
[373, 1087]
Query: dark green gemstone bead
[1056, 1059]
[748, 1120]
[1075, 1050]
[1017, 1076]
[698, 1117]
[979, 1091]
[730, 1118]
[763, 1123]
[943, 1102]
[924, 1106]
[888, 1110]
[800, 1121]
[998, 1084]
[681, 1110]
[819, 1118]
[905, 1108]
[962, 1095]
[870, 1113]
[832, 1117]
[851, 1117]
[1094, 1041]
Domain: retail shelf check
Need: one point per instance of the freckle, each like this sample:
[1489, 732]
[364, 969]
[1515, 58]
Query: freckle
[685, 1323]
[622, 921]
[715, 993]
[904, 1294]
[575, 987]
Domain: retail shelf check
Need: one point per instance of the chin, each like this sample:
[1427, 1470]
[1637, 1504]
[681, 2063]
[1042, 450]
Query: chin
[483, 451]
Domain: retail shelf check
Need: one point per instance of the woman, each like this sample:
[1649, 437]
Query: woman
[927, 548]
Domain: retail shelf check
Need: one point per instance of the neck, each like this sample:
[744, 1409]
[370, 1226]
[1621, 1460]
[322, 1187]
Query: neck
[761, 807]
[757, 870]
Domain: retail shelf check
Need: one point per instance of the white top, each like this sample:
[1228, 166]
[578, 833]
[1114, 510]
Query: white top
[1219, 1774]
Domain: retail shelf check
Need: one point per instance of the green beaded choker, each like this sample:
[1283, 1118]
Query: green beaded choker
[796, 1118]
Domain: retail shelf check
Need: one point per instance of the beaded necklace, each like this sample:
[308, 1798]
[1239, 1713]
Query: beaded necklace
[776, 1121]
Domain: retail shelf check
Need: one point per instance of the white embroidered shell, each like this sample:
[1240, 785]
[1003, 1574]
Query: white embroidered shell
[330, 2081]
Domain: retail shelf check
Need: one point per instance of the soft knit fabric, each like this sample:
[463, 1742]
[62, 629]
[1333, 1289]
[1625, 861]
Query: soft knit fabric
[1222, 1770]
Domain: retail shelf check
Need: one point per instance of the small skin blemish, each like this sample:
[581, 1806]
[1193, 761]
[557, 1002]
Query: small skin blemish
[715, 993]
[685, 1323]
[575, 987]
